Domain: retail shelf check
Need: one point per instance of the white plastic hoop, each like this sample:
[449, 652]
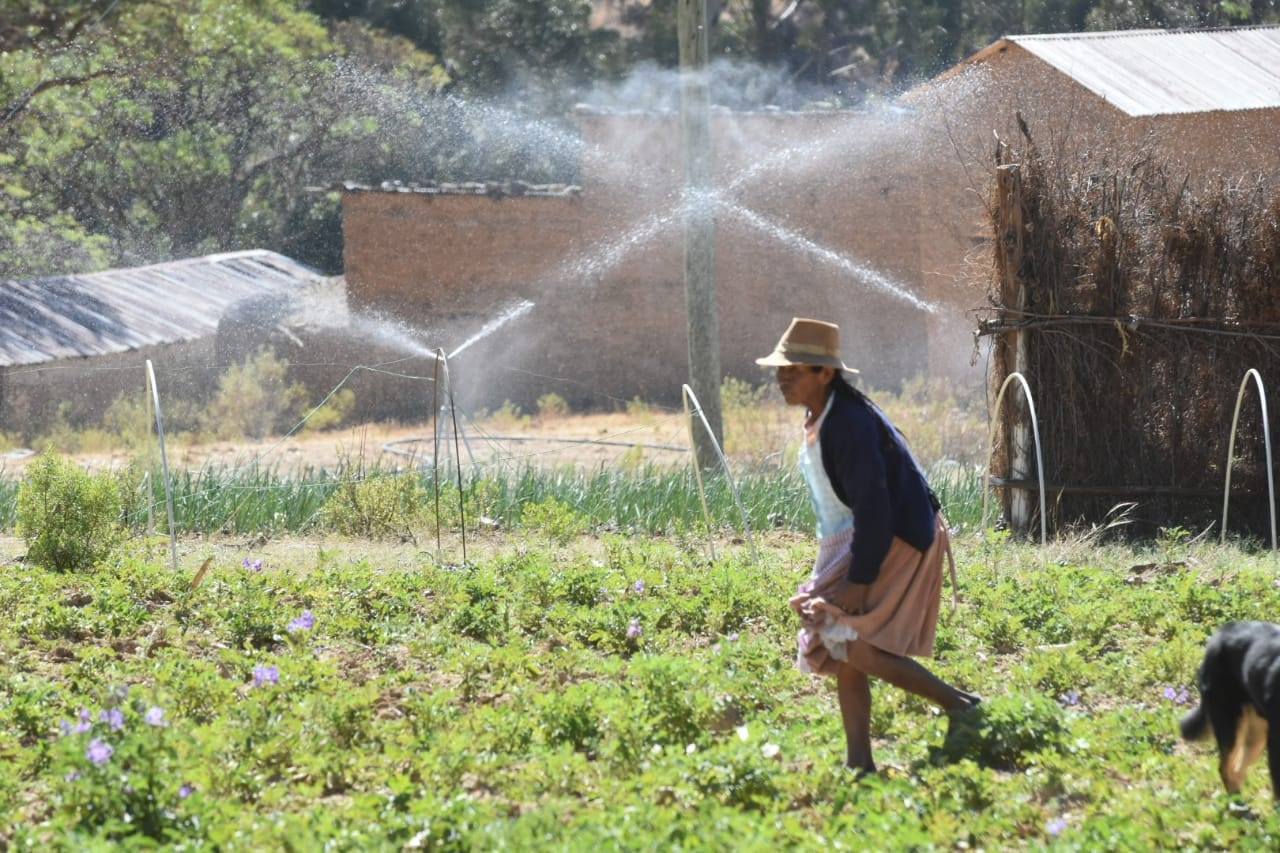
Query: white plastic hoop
[164, 464]
[1035, 432]
[1231, 452]
[687, 394]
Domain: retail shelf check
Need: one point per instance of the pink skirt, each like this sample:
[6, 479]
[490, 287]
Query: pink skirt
[901, 612]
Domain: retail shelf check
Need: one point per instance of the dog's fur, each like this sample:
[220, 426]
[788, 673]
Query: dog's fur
[1239, 685]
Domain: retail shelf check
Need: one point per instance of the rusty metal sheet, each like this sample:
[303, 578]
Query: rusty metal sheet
[80, 316]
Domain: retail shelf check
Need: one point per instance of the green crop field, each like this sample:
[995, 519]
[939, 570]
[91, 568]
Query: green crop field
[580, 689]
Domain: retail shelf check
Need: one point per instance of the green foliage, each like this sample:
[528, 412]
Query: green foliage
[333, 413]
[639, 499]
[69, 518]
[120, 777]
[376, 507]
[552, 405]
[255, 399]
[501, 705]
[1006, 732]
[555, 518]
[539, 45]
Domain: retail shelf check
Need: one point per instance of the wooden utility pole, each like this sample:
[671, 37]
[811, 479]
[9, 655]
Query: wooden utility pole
[1015, 349]
[699, 223]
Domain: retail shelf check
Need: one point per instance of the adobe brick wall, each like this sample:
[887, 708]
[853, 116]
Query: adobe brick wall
[619, 329]
[904, 195]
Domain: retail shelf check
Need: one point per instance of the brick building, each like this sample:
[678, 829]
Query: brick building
[858, 217]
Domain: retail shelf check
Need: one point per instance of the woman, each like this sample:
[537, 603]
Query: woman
[872, 601]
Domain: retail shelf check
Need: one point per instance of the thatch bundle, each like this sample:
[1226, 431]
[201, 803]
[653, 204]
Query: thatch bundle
[1145, 298]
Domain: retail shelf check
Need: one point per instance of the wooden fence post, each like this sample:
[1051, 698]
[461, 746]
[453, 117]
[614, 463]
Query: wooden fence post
[1013, 350]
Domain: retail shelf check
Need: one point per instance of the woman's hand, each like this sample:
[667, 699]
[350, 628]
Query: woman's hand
[817, 608]
[853, 596]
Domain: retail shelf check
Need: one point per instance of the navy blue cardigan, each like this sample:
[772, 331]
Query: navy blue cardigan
[874, 474]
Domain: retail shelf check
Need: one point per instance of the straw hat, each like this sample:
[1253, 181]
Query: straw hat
[807, 342]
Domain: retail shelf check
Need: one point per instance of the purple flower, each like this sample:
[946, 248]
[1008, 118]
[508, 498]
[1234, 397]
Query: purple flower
[186, 791]
[1071, 698]
[1178, 695]
[86, 721]
[65, 727]
[305, 622]
[73, 776]
[1056, 826]
[733, 638]
[639, 587]
[252, 565]
[634, 631]
[155, 717]
[264, 675]
[98, 752]
[113, 718]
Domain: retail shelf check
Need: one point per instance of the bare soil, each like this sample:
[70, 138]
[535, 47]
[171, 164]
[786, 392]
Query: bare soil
[587, 440]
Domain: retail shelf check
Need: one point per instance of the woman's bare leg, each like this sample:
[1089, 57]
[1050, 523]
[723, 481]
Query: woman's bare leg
[854, 690]
[908, 674]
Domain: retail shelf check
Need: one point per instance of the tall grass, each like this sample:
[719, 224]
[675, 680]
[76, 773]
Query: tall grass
[645, 500]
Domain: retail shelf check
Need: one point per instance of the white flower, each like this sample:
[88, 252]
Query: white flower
[770, 750]
[656, 749]
[691, 749]
[743, 734]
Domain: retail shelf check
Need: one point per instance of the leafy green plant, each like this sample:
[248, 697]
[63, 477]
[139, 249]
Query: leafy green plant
[551, 406]
[121, 774]
[555, 518]
[1004, 732]
[378, 507]
[70, 519]
[255, 399]
[333, 413]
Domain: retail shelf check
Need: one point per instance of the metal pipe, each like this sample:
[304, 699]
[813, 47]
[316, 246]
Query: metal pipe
[164, 462]
[1231, 452]
[1035, 432]
[457, 453]
[435, 441]
[687, 394]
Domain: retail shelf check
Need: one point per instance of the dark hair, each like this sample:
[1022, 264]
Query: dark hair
[840, 385]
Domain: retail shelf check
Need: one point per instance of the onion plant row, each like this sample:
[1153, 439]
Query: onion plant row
[646, 500]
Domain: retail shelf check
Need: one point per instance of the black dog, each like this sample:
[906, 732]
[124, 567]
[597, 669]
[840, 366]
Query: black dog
[1240, 700]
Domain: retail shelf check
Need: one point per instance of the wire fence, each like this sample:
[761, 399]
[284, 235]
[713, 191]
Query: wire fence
[491, 477]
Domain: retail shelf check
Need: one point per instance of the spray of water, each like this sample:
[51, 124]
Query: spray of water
[521, 308]
[857, 269]
[397, 336]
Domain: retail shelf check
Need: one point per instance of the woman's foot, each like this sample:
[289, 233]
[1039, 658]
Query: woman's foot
[861, 771]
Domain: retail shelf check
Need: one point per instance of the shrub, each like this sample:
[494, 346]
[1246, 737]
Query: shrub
[552, 406]
[381, 506]
[561, 522]
[69, 518]
[1003, 732]
[333, 413]
[254, 398]
[509, 416]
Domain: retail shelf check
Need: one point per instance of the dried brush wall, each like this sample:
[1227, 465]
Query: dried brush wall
[1144, 296]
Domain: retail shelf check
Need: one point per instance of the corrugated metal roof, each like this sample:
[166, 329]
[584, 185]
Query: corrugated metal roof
[74, 316]
[494, 189]
[1165, 72]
